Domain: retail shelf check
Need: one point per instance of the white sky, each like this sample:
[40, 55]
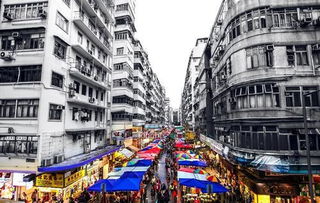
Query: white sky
[168, 30]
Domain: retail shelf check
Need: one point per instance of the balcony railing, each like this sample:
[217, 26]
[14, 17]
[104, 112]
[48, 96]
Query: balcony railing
[83, 22]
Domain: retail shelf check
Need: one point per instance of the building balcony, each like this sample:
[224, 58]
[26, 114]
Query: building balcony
[86, 101]
[118, 107]
[119, 91]
[92, 8]
[138, 60]
[127, 26]
[89, 55]
[82, 22]
[79, 72]
[125, 13]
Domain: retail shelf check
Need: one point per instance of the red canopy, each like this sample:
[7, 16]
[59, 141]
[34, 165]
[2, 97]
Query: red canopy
[188, 170]
[154, 150]
[185, 146]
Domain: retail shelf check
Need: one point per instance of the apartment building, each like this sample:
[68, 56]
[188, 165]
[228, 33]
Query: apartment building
[55, 83]
[188, 116]
[263, 65]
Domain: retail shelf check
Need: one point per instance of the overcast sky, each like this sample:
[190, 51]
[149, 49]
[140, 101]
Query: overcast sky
[168, 30]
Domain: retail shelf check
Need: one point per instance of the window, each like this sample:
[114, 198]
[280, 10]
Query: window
[62, 22]
[285, 17]
[293, 96]
[26, 108]
[118, 116]
[84, 90]
[26, 11]
[57, 80]
[101, 96]
[122, 100]
[259, 56]
[80, 38]
[90, 93]
[77, 89]
[313, 98]
[297, 55]
[122, 7]
[20, 74]
[23, 42]
[120, 51]
[118, 66]
[60, 49]
[55, 112]
[19, 144]
[121, 35]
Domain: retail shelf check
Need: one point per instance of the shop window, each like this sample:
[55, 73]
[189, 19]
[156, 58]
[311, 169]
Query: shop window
[57, 80]
[20, 74]
[55, 112]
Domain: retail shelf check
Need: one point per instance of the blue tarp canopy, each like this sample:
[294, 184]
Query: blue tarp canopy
[192, 163]
[203, 185]
[97, 187]
[117, 185]
[140, 162]
[80, 160]
[156, 141]
[146, 148]
[133, 174]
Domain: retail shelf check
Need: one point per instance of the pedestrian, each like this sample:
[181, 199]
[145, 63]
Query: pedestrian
[153, 193]
[34, 196]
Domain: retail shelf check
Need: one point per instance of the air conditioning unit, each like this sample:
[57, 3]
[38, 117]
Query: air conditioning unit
[7, 16]
[72, 93]
[6, 55]
[42, 13]
[83, 69]
[305, 21]
[46, 162]
[92, 100]
[223, 77]
[219, 22]
[15, 34]
[269, 48]
[58, 159]
[290, 58]
[72, 86]
[96, 78]
[90, 52]
[316, 47]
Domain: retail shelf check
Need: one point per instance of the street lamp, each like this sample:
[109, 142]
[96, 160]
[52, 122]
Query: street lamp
[308, 144]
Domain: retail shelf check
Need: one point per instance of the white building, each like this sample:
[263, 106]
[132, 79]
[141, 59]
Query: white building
[55, 80]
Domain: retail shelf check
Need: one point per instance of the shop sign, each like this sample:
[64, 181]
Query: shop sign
[136, 129]
[217, 147]
[17, 180]
[50, 180]
[74, 177]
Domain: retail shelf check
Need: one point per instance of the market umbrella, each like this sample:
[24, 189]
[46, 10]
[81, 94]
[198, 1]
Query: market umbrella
[213, 179]
[97, 187]
[192, 163]
[200, 171]
[186, 156]
[205, 186]
[188, 170]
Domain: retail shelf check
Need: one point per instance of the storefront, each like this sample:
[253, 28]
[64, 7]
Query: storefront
[12, 185]
[71, 177]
